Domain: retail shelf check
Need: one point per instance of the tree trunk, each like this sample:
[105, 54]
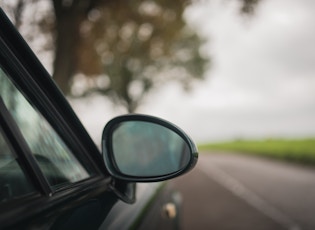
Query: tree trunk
[68, 21]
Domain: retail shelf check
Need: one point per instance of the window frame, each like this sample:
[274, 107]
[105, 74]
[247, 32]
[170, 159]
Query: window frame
[21, 149]
[34, 94]
[36, 85]
[8, 131]
[43, 198]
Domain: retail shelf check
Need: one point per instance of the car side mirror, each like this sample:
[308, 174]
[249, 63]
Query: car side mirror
[140, 148]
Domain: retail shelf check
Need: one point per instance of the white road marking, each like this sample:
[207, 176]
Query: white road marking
[247, 195]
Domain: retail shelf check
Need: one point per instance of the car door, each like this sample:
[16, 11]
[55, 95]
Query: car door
[60, 189]
[52, 175]
[58, 179]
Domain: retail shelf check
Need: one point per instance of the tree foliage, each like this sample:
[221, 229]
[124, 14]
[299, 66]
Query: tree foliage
[122, 49]
[137, 45]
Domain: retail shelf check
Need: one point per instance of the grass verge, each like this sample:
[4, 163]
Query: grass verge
[302, 151]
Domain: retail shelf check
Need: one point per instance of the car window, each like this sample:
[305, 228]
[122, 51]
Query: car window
[57, 162]
[13, 182]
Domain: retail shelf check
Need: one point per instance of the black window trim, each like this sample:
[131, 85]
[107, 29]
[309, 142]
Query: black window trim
[43, 87]
[16, 56]
[39, 99]
[44, 198]
[22, 150]
[14, 50]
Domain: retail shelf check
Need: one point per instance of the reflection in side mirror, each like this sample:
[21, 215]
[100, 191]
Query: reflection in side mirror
[142, 148]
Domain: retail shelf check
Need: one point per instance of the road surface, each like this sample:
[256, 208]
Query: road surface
[240, 192]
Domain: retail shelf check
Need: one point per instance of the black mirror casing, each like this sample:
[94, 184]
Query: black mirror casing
[141, 148]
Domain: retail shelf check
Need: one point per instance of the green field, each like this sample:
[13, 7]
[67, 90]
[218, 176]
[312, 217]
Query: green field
[302, 151]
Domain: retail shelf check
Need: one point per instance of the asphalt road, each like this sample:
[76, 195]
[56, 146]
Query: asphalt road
[238, 192]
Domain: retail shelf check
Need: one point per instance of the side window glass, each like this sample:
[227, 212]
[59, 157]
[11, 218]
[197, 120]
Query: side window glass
[57, 162]
[13, 182]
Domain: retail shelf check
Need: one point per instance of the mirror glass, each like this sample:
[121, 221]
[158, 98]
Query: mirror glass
[146, 149]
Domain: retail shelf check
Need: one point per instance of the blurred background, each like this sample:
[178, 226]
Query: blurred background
[221, 70]
[237, 75]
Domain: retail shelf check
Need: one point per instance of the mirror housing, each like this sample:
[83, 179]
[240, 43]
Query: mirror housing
[141, 148]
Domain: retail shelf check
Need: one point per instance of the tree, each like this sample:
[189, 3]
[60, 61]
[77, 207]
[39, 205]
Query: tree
[138, 45]
[123, 49]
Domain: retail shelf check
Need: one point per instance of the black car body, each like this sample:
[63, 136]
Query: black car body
[52, 175]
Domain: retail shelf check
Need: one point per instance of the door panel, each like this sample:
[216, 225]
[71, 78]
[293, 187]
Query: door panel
[147, 212]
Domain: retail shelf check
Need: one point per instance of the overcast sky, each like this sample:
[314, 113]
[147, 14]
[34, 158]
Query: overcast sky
[261, 84]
